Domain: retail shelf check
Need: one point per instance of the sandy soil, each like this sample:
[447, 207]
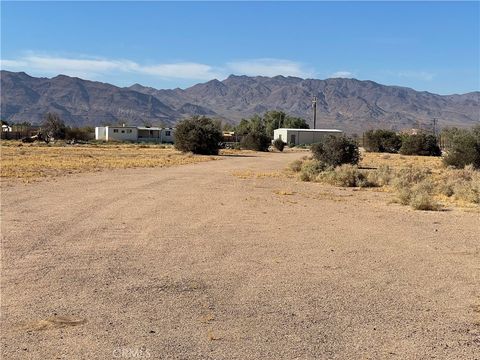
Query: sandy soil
[197, 262]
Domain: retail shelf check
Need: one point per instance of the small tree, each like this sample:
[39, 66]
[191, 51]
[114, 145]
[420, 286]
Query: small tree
[464, 149]
[420, 144]
[200, 135]
[53, 126]
[335, 151]
[382, 141]
[255, 140]
[279, 144]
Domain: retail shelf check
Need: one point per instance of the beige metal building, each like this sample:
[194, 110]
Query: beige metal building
[303, 136]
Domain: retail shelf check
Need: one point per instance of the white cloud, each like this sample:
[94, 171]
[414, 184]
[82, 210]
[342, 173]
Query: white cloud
[93, 68]
[269, 67]
[342, 74]
[183, 70]
[419, 75]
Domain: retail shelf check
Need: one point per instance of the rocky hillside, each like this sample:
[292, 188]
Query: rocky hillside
[348, 104]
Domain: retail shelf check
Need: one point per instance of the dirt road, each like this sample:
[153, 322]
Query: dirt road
[208, 261]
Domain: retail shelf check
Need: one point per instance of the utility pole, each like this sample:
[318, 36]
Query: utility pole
[314, 105]
[435, 127]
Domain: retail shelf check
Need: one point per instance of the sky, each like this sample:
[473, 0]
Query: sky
[428, 46]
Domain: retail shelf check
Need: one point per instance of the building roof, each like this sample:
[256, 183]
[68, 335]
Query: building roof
[311, 130]
[148, 128]
[118, 127]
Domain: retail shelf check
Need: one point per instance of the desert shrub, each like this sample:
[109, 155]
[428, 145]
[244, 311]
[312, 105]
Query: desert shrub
[420, 144]
[381, 176]
[296, 165]
[382, 141]
[310, 170]
[414, 187]
[279, 144]
[255, 140]
[199, 135]
[335, 151]
[463, 149]
[421, 196]
[468, 191]
[346, 175]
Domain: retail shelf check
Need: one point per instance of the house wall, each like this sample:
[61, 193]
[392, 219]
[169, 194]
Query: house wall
[302, 137]
[168, 136]
[100, 133]
[121, 133]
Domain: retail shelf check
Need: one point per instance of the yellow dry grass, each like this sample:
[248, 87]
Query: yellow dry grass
[29, 162]
[397, 161]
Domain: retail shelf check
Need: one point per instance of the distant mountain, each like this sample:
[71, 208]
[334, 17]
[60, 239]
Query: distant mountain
[347, 104]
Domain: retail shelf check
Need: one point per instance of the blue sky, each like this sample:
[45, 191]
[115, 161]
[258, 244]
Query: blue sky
[432, 46]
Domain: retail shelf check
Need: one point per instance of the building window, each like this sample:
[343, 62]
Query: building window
[115, 130]
[167, 133]
[129, 131]
[123, 131]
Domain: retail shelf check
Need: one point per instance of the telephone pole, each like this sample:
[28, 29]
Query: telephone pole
[314, 105]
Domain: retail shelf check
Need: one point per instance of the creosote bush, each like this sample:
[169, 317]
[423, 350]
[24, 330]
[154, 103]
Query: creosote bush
[255, 140]
[420, 144]
[463, 148]
[279, 144]
[382, 141]
[336, 150]
[199, 135]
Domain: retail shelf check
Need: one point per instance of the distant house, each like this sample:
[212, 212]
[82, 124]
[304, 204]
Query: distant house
[6, 128]
[134, 133]
[303, 136]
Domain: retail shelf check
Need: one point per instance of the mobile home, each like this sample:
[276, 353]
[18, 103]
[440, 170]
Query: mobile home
[134, 133]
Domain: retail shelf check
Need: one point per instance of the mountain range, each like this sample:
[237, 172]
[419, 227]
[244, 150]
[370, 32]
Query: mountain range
[348, 104]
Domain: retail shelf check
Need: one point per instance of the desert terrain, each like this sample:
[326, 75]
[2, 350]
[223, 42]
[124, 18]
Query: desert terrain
[231, 259]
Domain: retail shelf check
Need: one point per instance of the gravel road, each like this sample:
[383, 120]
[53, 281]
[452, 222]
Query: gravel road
[207, 261]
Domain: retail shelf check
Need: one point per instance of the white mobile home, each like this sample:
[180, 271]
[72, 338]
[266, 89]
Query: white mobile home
[303, 136]
[134, 133]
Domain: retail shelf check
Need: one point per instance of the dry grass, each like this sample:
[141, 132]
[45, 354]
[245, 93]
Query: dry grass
[397, 161]
[29, 162]
[421, 182]
[54, 322]
[284, 192]
[249, 174]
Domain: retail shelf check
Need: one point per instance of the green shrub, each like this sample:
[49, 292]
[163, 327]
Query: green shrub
[463, 149]
[334, 151]
[279, 144]
[199, 135]
[382, 141]
[255, 140]
[420, 144]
